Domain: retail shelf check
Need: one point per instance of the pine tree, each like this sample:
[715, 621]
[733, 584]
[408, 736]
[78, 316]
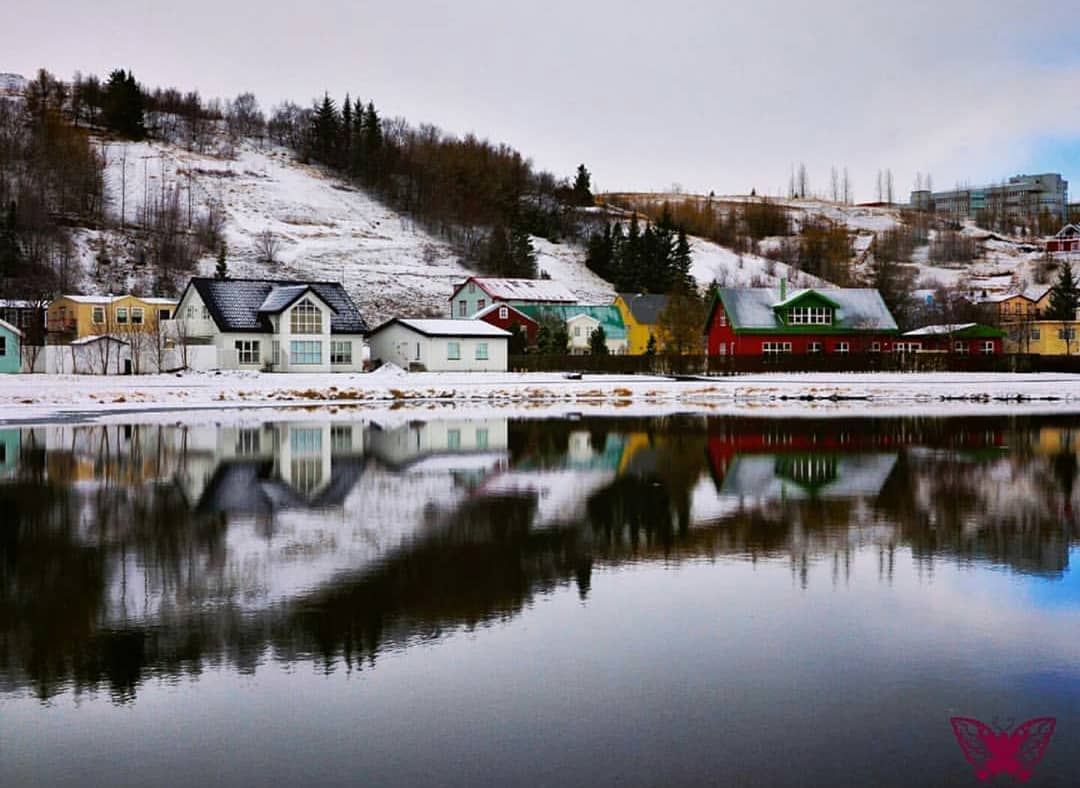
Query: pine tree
[1064, 295]
[222, 269]
[522, 254]
[681, 262]
[10, 251]
[325, 123]
[123, 105]
[650, 346]
[582, 191]
[598, 342]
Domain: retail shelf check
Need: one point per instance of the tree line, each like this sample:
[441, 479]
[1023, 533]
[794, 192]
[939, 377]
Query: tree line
[654, 260]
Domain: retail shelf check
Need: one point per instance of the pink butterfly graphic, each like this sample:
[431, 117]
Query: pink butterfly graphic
[1014, 752]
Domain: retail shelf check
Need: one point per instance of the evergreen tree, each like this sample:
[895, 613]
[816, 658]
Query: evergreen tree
[681, 262]
[325, 123]
[522, 254]
[123, 105]
[519, 340]
[598, 342]
[222, 269]
[650, 346]
[373, 142]
[10, 251]
[551, 335]
[599, 254]
[1064, 295]
[582, 191]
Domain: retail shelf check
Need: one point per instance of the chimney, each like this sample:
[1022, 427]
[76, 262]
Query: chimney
[783, 289]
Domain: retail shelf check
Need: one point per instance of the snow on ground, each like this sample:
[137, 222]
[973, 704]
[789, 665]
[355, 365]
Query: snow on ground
[565, 263]
[30, 397]
[715, 263]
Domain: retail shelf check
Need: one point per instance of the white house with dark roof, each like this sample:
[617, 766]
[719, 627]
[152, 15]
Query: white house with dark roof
[440, 345]
[282, 326]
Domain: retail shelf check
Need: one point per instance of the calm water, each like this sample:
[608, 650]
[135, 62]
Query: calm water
[681, 601]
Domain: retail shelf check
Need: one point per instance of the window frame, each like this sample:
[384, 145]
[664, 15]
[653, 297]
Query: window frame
[453, 351]
[478, 356]
[305, 352]
[121, 315]
[341, 352]
[305, 318]
[137, 315]
[97, 315]
[246, 350]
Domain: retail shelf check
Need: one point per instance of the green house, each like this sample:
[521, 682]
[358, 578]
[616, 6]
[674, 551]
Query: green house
[10, 348]
[580, 321]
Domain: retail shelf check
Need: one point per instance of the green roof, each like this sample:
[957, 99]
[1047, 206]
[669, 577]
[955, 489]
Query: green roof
[609, 317]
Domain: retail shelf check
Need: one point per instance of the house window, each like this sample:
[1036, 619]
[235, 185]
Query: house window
[417, 351]
[205, 313]
[504, 313]
[136, 315]
[341, 438]
[453, 439]
[163, 314]
[960, 348]
[341, 352]
[1036, 334]
[99, 315]
[247, 351]
[481, 438]
[875, 347]
[988, 347]
[305, 441]
[275, 352]
[723, 348]
[248, 442]
[810, 315]
[841, 347]
[463, 308]
[453, 351]
[190, 313]
[721, 317]
[3, 346]
[813, 347]
[482, 351]
[305, 352]
[121, 315]
[480, 304]
[472, 287]
[306, 318]
[1067, 334]
[775, 348]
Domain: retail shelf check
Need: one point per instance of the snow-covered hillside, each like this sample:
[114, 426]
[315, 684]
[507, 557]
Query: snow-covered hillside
[324, 228]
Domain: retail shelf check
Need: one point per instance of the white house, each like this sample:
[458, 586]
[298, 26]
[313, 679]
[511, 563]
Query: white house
[440, 345]
[283, 326]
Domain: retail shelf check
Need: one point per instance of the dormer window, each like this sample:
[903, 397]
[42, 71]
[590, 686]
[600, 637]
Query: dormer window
[810, 316]
[306, 318]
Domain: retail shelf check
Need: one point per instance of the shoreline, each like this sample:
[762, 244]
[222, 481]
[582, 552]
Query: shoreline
[27, 398]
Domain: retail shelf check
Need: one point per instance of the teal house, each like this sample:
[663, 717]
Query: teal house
[10, 348]
[478, 293]
[581, 320]
[10, 441]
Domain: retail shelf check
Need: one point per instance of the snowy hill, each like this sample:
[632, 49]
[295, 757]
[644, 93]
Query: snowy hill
[324, 229]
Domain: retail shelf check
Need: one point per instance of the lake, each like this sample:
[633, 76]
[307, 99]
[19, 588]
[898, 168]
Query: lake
[413, 599]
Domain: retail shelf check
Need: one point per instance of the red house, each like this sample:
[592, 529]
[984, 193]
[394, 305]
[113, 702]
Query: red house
[961, 339]
[1067, 240]
[754, 321]
[506, 317]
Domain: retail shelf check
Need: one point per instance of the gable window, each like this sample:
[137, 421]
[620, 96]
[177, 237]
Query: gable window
[121, 315]
[247, 351]
[721, 317]
[504, 313]
[810, 315]
[341, 352]
[136, 315]
[206, 313]
[480, 304]
[463, 308]
[453, 351]
[306, 318]
[190, 313]
[305, 352]
[482, 351]
[99, 315]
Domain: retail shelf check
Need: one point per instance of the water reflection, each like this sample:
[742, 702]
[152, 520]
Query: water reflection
[135, 551]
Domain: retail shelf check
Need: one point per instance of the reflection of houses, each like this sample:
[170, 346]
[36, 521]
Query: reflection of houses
[453, 445]
[10, 441]
[271, 467]
[767, 477]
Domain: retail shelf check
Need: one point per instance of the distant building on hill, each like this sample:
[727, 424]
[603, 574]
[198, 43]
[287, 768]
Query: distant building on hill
[477, 293]
[1066, 240]
[1022, 199]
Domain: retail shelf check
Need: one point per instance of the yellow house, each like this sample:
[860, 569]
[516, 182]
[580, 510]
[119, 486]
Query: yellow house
[640, 313]
[1044, 337]
[71, 317]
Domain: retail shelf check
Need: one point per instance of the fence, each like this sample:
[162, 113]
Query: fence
[749, 365]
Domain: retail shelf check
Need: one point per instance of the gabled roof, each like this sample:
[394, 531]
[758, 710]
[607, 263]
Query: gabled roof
[444, 327]
[800, 295]
[237, 305]
[535, 290]
[11, 328]
[607, 315]
[958, 331]
[487, 310]
[92, 299]
[1037, 292]
[756, 308]
[1069, 231]
[645, 309]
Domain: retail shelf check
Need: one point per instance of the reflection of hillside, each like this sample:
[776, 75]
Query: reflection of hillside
[221, 547]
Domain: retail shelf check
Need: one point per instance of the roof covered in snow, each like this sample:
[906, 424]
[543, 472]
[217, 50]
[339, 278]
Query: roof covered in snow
[756, 308]
[957, 331]
[487, 310]
[606, 315]
[535, 290]
[237, 305]
[92, 299]
[446, 327]
[1069, 231]
[646, 309]
[11, 328]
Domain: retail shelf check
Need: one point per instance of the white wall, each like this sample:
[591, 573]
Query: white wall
[79, 359]
[397, 344]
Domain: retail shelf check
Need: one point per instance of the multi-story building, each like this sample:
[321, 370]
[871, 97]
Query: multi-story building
[1022, 199]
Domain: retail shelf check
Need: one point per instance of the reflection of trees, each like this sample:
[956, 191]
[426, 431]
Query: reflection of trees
[64, 548]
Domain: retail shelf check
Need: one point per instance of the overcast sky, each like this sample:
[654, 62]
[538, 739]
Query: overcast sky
[710, 95]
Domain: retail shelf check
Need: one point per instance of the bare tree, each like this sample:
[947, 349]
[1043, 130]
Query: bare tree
[803, 182]
[266, 246]
[889, 194]
[834, 181]
[848, 197]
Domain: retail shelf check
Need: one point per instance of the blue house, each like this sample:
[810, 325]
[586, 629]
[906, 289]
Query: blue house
[10, 348]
